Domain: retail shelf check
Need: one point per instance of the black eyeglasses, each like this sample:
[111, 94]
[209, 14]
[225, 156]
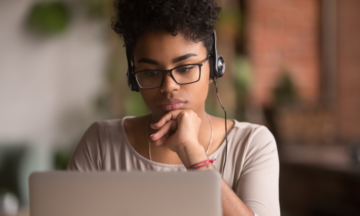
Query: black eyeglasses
[182, 75]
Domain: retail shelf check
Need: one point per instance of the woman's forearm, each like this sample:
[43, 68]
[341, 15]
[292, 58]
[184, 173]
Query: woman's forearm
[231, 203]
[192, 154]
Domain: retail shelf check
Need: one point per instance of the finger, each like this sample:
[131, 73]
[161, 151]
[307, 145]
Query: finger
[172, 115]
[162, 139]
[166, 128]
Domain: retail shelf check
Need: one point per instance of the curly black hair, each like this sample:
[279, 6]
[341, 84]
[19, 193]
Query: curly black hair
[195, 19]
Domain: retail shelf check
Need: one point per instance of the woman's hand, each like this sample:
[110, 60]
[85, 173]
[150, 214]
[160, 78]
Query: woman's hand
[177, 129]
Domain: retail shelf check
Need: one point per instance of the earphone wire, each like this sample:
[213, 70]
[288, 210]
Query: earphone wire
[226, 145]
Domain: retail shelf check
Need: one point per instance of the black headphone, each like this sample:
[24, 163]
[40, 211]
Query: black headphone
[216, 61]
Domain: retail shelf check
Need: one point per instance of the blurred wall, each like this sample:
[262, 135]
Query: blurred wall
[48, 84]
[48, 87]
[347, 100]
[283, 36]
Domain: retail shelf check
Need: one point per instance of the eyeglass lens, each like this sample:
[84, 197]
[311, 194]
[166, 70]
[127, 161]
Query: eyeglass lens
[182, 75]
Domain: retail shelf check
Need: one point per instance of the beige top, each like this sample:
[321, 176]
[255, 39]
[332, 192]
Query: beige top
[251, 170]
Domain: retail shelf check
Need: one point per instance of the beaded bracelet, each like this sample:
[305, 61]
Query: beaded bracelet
[202, 164]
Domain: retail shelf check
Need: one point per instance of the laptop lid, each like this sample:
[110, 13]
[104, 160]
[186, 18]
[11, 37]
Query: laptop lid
[62, 193]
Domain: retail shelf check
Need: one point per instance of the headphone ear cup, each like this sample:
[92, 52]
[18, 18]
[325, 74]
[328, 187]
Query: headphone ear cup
[218, 61]
[220, 66]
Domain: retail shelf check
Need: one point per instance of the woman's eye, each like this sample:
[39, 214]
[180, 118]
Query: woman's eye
[184, 69]
[151, 73]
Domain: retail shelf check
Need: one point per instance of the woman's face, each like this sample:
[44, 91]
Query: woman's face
[159, 50]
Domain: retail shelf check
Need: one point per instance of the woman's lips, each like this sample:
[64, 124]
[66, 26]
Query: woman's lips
[175, 106]
[172, 104]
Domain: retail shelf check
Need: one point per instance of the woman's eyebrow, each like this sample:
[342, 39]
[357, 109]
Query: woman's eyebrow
[149, 61]
[177, 59]
[183, 57]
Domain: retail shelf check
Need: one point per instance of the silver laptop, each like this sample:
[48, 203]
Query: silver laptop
[125, 193]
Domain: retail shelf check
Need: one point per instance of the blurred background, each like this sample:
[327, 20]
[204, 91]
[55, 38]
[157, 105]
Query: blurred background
[292, 65]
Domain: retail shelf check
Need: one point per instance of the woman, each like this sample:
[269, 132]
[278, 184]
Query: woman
[169, 48]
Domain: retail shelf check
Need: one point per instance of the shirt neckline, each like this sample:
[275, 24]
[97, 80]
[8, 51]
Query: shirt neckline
[138, 155]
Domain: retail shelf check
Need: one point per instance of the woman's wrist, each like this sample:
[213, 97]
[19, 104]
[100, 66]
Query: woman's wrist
[192, 154]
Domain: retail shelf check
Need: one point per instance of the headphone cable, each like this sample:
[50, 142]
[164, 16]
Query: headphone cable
[226, 146]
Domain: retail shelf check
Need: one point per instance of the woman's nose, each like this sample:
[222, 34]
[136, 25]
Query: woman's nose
[169, 84]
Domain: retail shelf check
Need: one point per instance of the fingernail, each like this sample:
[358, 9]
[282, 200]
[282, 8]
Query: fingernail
[151, 135]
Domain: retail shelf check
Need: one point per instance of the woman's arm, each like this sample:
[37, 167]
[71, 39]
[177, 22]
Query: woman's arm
[232, 204]
[185, 127]
[257, 189]
[257, 185]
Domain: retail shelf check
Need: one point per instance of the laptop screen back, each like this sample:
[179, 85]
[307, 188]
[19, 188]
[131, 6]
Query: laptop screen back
[125, 193]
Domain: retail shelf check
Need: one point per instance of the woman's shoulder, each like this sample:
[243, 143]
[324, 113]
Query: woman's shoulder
[237, 126]
[252, 137]
[100, 139]
[109, 123]
[102, 131]
[117, 123]
[250, 129]
[247, 125]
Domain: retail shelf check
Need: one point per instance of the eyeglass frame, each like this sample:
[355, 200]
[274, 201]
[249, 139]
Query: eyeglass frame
[164, 72]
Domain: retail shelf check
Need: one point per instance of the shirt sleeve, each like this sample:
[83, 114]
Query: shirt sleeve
[258, 186]
[87, 155]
